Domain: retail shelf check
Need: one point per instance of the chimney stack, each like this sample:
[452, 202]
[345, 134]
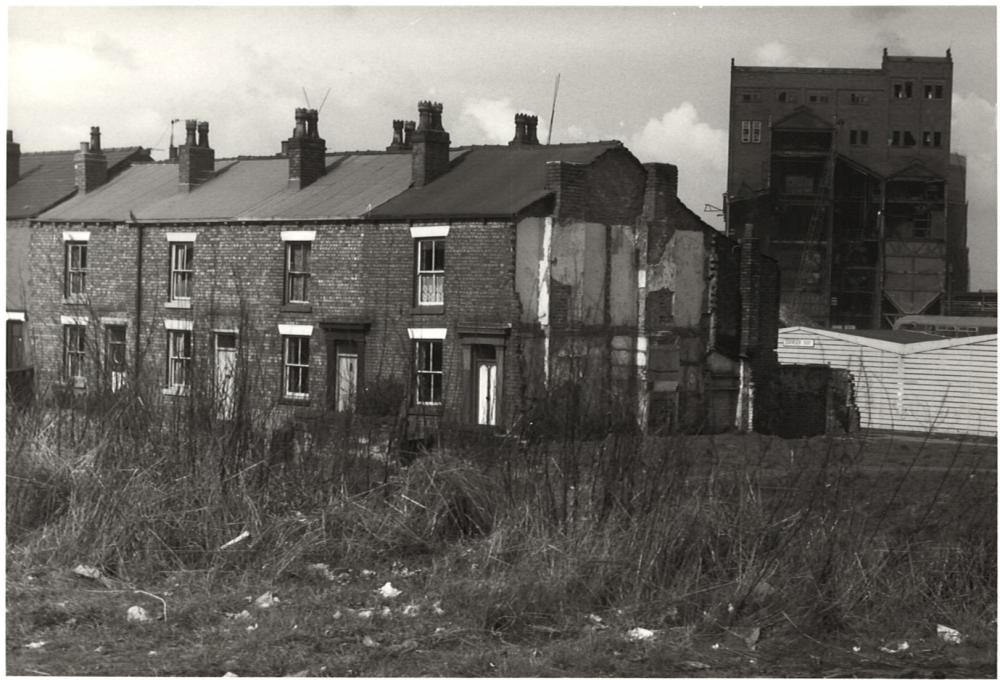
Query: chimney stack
[661, 189]
[431, 145]
[306, 150]
[525, 130]
[195, 159]
[402, 133]
[90, 165]
[13, 159]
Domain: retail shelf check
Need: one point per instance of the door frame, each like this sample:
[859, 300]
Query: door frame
[349, 330]
[216, 332]
[469, 336]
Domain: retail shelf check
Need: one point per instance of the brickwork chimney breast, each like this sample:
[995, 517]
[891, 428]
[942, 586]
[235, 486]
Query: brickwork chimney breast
[431, 144]
[195, 159]
[13, 159]
[306, 150]
[90, 165]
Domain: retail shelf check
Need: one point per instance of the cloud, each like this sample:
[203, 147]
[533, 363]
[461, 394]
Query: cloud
[109, 49]
[974, 135]
[778, 54]
[490, 121]
[695, 147]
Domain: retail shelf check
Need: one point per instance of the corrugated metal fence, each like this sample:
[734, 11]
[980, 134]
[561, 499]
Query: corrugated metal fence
[944, 386]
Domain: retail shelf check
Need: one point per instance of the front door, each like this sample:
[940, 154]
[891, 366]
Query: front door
[225, 375]
[347, 375]
[485, 373]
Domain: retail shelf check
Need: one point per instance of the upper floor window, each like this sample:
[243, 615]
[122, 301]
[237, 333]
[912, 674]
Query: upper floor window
[933, 91]
[788, 96]
[75, 263]
[902, 89]
[902, 138]
[748, 96]
[181, 267]
[750, 131]
[819, 97]
[859, 98]
[430, 247]
[932, 139]
[298, 248]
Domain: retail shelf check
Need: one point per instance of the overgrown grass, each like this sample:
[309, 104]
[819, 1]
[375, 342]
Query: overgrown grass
[692, 535]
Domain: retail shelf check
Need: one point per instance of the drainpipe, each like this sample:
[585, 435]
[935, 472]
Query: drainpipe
[544, 273]
[642, 337]
[138, 295]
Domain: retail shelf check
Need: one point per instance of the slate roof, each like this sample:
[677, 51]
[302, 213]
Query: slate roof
[901, 337]
[47, 178]
[246, 189]
[490, 181]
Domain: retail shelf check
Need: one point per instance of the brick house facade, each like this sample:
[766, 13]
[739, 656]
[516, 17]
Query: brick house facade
[463, 285]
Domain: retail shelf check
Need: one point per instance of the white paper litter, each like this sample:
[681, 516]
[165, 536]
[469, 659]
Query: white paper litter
[640, 634]
[899, 647]
[36, 645]
[87, 572]
[266, 600]
[228, 544]
[949, 635]
[389, 592]
[137, 614]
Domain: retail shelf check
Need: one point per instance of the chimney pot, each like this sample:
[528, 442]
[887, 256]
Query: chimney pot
[189, 127]
[203, 135]
[84, 147]
[525, 130]
[95, 138]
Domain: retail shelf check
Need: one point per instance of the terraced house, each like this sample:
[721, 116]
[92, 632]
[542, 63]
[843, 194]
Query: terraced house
[457, 285]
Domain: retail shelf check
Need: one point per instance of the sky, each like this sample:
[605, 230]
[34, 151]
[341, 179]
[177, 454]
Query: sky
[654, 77]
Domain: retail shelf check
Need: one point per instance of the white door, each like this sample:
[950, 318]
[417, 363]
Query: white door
[347, 380]
[225, 375]
[487, 397]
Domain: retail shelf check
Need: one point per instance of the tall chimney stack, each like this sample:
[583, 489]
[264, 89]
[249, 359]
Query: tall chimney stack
[431, 145]
[402, 133]
[525, 130]
[13, 159]
[306, 150]
[90, 165]
[195, 158]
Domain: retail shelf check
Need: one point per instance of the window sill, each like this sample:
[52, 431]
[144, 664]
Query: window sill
[300, 307]
[176, 391]
[74, 301]
[177, 304]
[295, 401]
[427, 309]
[426, 410]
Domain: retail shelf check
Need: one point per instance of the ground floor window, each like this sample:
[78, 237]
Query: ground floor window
[114, 352]
[15, 344]
[430, 372]
[179, 351]
[296, 366]
[74, 354]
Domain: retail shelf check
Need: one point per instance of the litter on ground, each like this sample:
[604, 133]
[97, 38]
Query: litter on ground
[895, 649]
[266, 600]
[137, 614]
[388, 591]
[636, 634]
[949, 635]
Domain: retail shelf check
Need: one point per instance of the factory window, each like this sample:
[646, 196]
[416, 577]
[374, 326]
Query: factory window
[909, 139]
[902, 89]
[921, 226]
[788, 97]
[902, 138]
[822, 97]
[931, 139]
[748, 96]
[933, 91]
[859, 98]
[859, 137]
[750, 131]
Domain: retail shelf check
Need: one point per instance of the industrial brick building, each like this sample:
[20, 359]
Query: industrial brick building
[455, 285]
[847, 178]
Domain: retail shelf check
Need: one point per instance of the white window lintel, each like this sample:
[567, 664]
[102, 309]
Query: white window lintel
[113, 321]
[427, 333]
[430, 231]
[181, 236]
[76, 236]
[73, 320]
[298, 236]
[294, 329]
[178, 324]
[15, 316]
